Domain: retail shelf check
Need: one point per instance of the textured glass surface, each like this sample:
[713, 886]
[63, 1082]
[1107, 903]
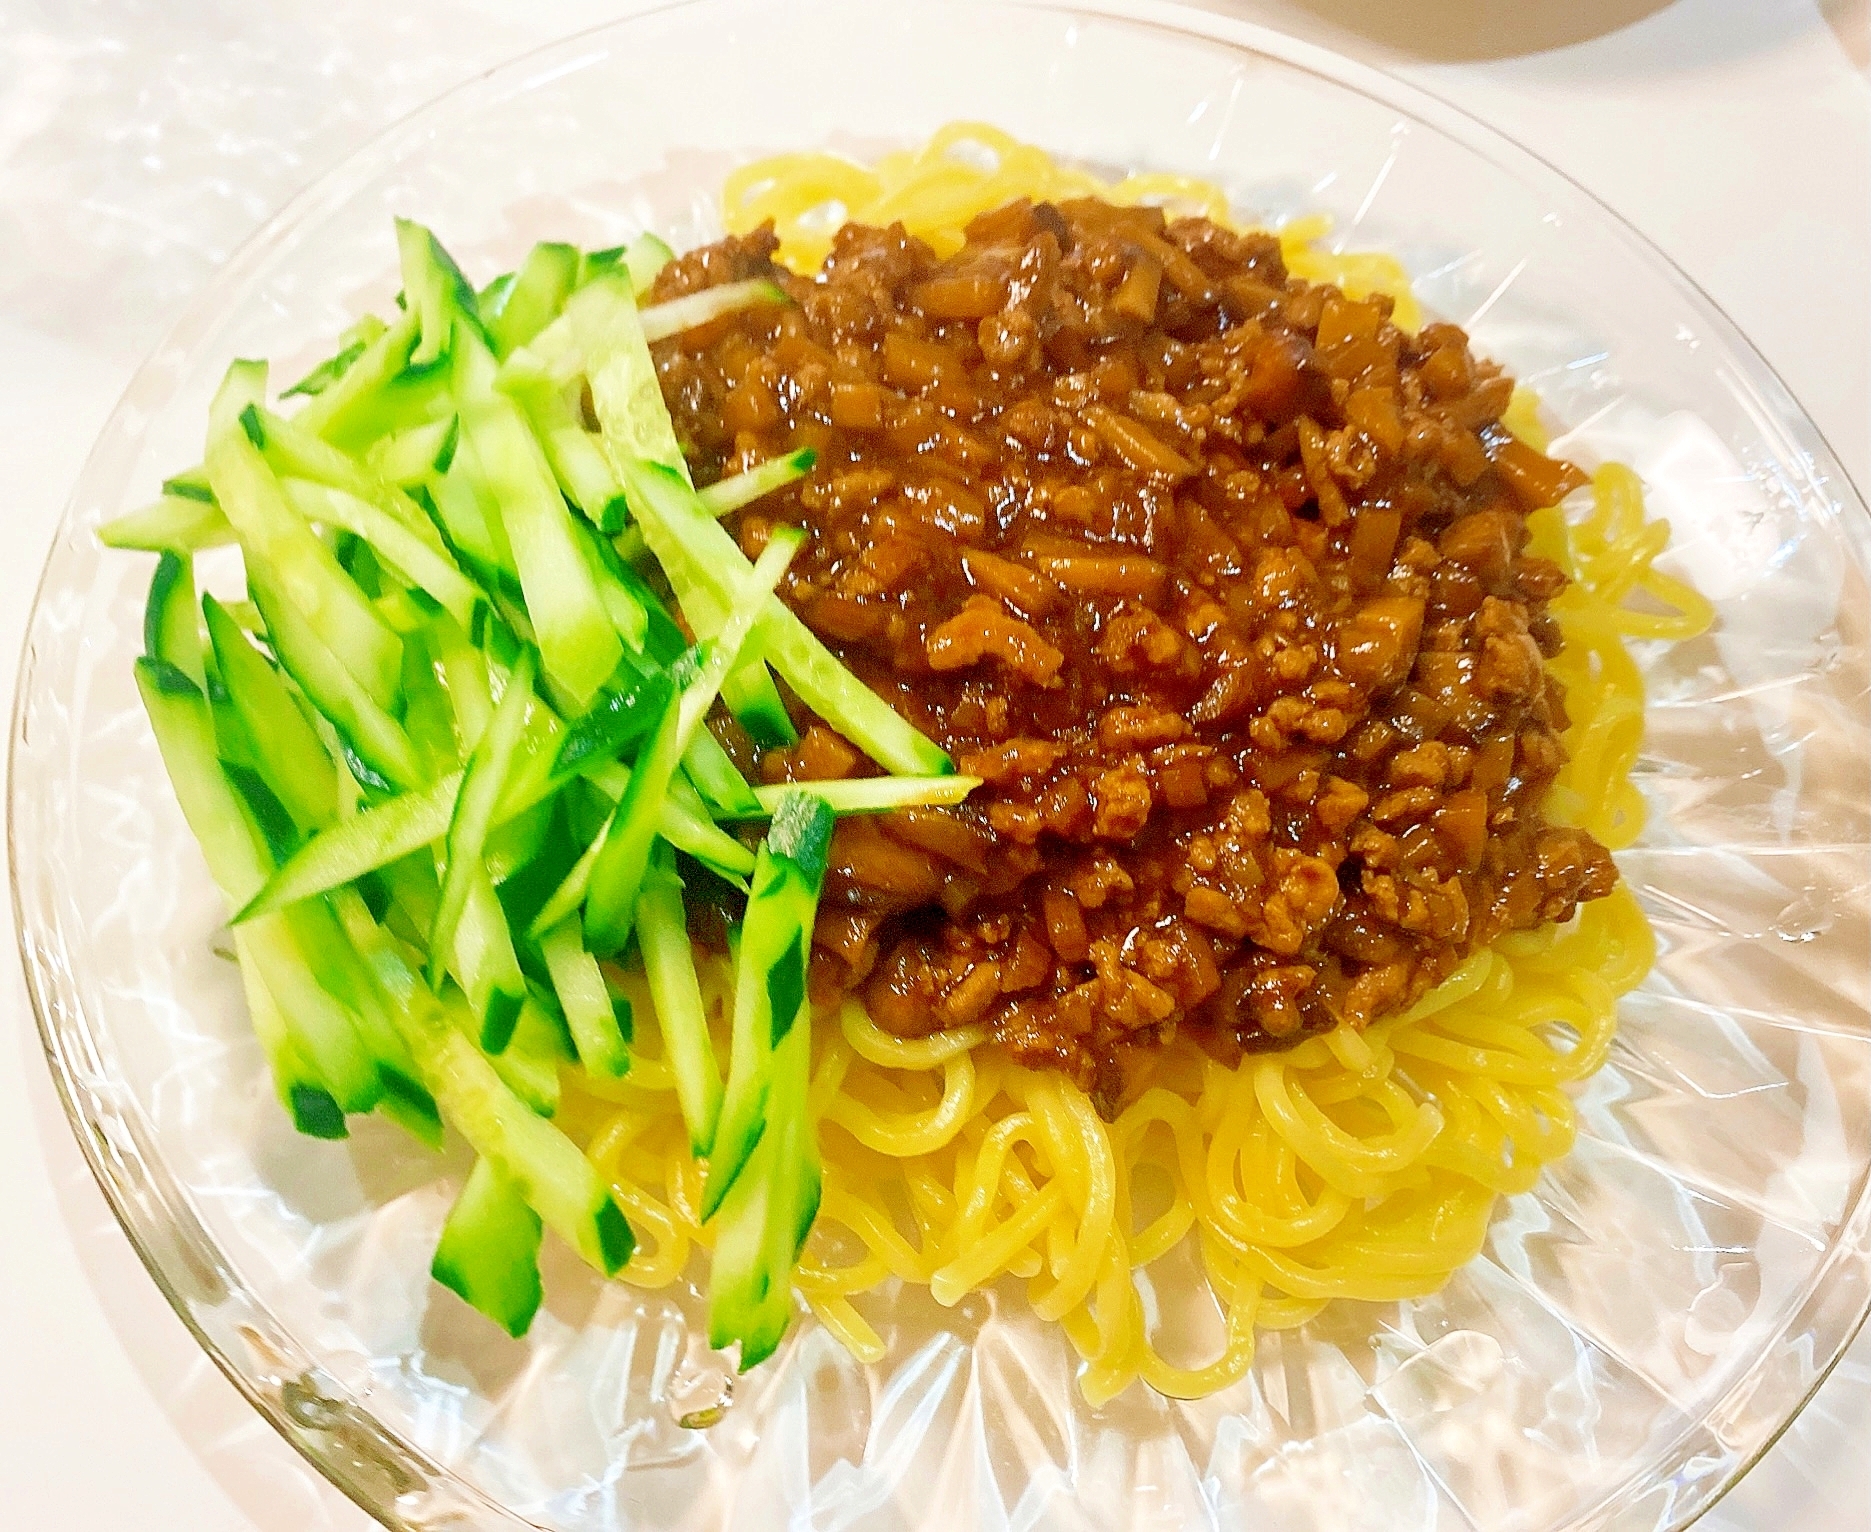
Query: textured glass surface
[1640, 1325]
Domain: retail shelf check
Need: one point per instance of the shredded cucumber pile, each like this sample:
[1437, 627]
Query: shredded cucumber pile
[449, 757]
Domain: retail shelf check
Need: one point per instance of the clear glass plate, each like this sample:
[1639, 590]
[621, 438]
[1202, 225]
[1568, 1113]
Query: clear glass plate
[1640, 1326]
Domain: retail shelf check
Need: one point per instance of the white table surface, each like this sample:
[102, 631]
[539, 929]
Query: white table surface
[141, 140]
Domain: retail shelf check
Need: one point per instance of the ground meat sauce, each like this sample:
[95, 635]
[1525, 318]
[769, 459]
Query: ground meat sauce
[1215, 578]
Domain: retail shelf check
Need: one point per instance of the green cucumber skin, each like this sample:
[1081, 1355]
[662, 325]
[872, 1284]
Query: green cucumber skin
[291, 757]
[550, 1171]
[579, 646]
[376, 738]
[488, 1254]
[777, 931]
[482, 784]
[546, 278]
[579, 984]
[278, 544]
[173, 524]
[698, 553]
[669, 968]
[171, 629]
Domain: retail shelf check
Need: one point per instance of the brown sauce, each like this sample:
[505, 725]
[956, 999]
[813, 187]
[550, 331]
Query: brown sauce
[1216, 578]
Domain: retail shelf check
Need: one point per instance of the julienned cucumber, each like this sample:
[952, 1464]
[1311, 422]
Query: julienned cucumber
[449, 752]
[763, 1172]
[682, 535]
[770, 978]
[489, 1250]
[607, 334]
[617, 874]
[475, 804]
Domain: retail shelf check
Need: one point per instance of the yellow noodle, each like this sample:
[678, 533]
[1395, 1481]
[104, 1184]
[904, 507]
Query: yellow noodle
[1356, 1165]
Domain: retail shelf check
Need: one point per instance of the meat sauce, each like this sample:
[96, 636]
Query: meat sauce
[1216, 579]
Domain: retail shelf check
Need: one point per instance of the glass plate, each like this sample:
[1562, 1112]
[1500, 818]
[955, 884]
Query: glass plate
[1640, 1326]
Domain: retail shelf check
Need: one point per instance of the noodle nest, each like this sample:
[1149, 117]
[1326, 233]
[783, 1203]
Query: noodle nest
[1355, 1165]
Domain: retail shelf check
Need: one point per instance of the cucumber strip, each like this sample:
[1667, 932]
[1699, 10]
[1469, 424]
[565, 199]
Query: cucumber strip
[611, 901]
[464, 673]
[635, 423]
[326, 372]
[618, 720]
[685, 538]
[481, 956]
[233, 741]
[538, 291]
[577, 643]
[293, 452]
[428, 710]
[247, 615]
[173, 524]
[171, 625]
[676, 991]
[529, 1064]
[409, 1105]
[436, 291]
[276, 540]
[190, 484]
[577, 460]
[312, 1108]
[183, 724]
[408, 457]
[465, 519]
[514, 846]
[687, 827]
[737, 1274]
[681, 820]
[321, 1029]
[640, 260]
[719, 781]
[397, 827]
[685, 824]
[472, 366]
[665, 319]
[604, 322]
[265, 812]
[489, 1251]
[378, 751]
[628, 616]
[324, 1030]
[764, 1221]
[349, 980]
[414, 560]
[375, 837]
[730, 494]
[351, 345]
[552, 1174]
[289, 754]
[579, 984]
[481, 786]
[770, 998]
[365, 328]
[554, 1177]
[874, 795]
[755, 701]
[348, 406]
[570, 893]
[644, 257]
[416, 396]
[491, 299]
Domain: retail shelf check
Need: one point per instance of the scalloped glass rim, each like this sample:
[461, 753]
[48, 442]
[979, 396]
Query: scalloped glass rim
[328, 1420]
